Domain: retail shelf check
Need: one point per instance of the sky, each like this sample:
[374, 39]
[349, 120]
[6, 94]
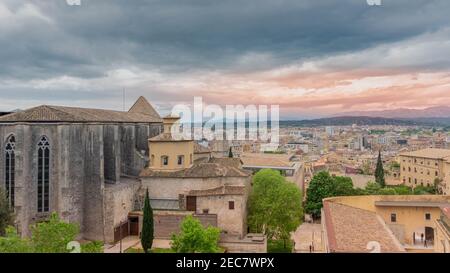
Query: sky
[313, 58]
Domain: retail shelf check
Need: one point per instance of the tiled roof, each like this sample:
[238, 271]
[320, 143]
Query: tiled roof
[431, 153]
[350, 229]
[410, 203]
[222, 190]
[227, 161]
[142, 106]
[200, 149]
[200, 170]
[47, 113]
[266, 160]
[167, 137]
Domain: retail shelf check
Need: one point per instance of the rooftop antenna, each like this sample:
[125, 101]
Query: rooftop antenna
[123, 100]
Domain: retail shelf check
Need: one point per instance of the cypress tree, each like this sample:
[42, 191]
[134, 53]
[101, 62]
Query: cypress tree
[230, 153]
[147, 226]
[379, 171]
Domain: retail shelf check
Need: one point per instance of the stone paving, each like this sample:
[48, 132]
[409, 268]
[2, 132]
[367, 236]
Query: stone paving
[127, 242]
[306, 235]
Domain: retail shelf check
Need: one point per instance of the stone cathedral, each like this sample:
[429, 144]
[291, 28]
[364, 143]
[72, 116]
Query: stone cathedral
[70, 160]
[93, 166]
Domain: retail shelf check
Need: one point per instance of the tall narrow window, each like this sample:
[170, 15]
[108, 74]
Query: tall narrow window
[10, 162]
[180, 159]
[164, 160]
[43, 175]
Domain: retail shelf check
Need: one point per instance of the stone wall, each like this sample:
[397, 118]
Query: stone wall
[230, 221]
[171, 188]
[119, 201]
[246, 245]
[77, 168]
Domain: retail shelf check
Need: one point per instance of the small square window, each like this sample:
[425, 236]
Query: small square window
[231, 205]
[205, 211]
[427, 216]
[393, 217]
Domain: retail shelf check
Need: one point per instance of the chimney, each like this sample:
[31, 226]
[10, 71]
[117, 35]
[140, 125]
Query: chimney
[168, 122]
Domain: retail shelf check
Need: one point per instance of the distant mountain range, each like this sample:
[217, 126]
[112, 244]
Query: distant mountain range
[404, 113]
[345, 121]
[364, 120]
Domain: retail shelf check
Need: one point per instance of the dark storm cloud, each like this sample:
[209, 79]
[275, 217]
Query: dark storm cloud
[86, 40]
[44, 40]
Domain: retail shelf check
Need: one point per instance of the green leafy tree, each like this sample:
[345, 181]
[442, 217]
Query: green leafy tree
[323, 185]
[424, 190]
[342, 186]
[92, 247]
[148, 225]
[379, 172]
[13, 243]
[275, 207]
[387, 191]
[6, 214]
[53, 236]
[372, 188]
[402, 190]
[194, 238]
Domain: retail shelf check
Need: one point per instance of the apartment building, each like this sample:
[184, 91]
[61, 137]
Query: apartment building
[425, 167]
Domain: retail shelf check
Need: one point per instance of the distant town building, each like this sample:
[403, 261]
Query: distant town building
[330, 130]
[286, 164]
[425, 167]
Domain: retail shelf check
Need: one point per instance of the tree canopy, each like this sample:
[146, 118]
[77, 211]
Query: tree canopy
[324, 185]
[52, 236]
[194, 238]
[274, 205]
[6, 214]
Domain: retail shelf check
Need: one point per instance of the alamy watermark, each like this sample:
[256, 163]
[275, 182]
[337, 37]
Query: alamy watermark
[73, 2]
[233, 122]
[374, 2]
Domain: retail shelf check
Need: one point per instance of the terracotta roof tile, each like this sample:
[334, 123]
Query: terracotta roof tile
[200, 170]
[265, 160]
[350, 229]
[222, 190]
[431, 153]
[47, 113]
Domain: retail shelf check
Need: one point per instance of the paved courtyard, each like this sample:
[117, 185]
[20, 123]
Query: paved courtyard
[127, 242]
[308, 235]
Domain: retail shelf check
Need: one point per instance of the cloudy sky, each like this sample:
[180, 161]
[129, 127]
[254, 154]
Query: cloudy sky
[313, 58]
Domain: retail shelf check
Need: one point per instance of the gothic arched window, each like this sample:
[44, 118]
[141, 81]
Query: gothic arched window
[10, 166]
[43, 177]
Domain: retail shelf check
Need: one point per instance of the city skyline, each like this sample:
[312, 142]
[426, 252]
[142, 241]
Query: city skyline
[357, 57]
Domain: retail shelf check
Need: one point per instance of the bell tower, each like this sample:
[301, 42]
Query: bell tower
[168, 153]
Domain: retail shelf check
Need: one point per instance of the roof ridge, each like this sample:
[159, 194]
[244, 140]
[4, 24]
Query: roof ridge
[348, 206]
[55, 109]
[143, 106]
